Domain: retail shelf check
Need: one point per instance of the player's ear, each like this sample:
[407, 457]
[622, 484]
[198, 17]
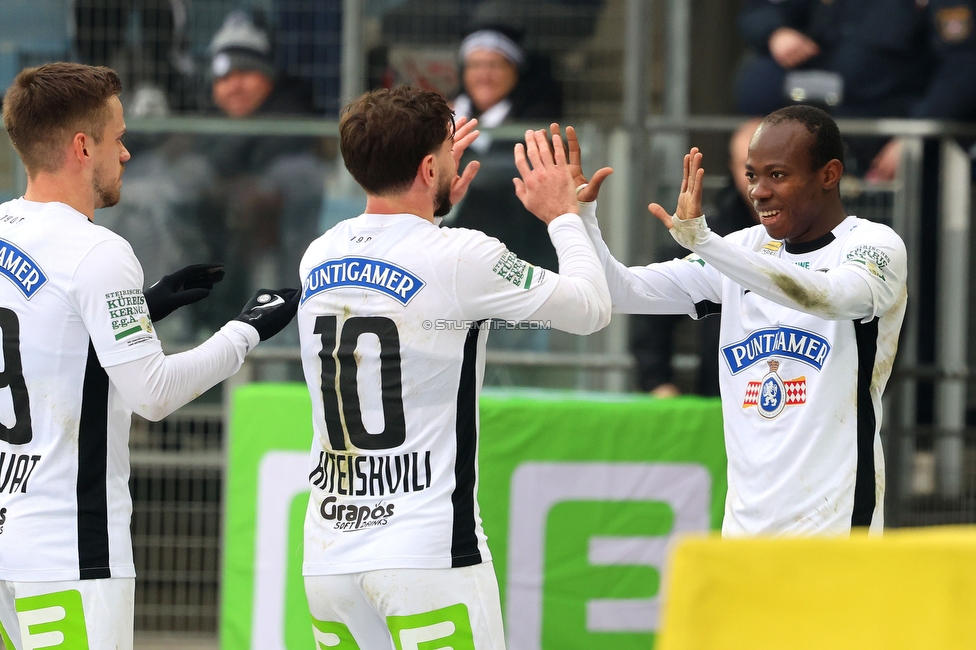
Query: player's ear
[79, 146]
[831, 174]
[427, 169]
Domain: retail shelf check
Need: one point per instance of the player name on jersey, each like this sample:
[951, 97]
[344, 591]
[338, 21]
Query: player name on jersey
[16, 470]
[357, 475]
[20, 269]
[782, 341]
[364, 273]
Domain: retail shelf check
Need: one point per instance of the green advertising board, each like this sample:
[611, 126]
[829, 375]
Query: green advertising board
[580, 495]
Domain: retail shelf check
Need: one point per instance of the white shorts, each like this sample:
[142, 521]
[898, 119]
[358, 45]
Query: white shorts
[78, 613]
[400, 609]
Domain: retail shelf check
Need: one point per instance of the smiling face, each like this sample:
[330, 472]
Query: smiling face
[793, 201]
[110, 156]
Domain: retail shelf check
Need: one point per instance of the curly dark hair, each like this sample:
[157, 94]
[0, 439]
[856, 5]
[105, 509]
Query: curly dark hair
[385, 134]
[827, 144]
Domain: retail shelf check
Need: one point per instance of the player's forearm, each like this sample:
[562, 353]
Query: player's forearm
[580, 303]
[635, 290]
[839, 294]
[157, 385]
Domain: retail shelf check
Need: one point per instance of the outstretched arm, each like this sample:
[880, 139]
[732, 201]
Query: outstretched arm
[855, 289]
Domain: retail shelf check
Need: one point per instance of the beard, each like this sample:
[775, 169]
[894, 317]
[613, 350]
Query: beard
[442, 202]
[106, 196]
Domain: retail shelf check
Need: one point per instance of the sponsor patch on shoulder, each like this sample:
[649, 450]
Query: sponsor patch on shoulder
[128, 313]
[693, 257]
[873, 259]
[518, 271]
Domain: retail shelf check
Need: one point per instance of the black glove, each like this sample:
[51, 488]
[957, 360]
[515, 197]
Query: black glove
[270, 310]
[185, 287]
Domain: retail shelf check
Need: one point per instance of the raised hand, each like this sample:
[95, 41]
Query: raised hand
[690, 196]
[592, 189]
[464, 134]
[546, 189]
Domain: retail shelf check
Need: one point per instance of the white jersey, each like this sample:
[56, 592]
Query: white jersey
[808, 338]
[393, 343]
[71, 302]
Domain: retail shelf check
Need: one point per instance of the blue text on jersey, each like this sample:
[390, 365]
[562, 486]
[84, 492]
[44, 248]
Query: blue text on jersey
[362, 273]
[20, 269]
[787, 342]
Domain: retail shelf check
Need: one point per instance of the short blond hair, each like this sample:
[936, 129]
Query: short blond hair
[46, 106]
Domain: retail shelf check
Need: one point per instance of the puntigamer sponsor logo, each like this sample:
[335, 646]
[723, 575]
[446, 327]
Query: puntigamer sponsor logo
[363, 273]
[127, 309]
[788, 342]
[19, 268]
[349, 518]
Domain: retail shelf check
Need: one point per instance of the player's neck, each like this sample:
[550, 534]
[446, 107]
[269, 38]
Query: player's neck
[51, 188]
[407, 203]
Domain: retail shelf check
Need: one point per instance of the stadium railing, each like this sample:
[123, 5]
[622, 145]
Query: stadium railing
[178, 464]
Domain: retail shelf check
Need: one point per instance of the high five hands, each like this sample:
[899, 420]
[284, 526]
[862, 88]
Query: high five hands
[690, 197]
[546, 188]
[589, 193]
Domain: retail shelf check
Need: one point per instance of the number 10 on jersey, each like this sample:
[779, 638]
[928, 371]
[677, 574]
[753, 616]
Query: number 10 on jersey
[343, 413]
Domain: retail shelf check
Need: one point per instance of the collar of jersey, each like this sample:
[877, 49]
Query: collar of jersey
[382, 220]
[820, 242]
[810, 246]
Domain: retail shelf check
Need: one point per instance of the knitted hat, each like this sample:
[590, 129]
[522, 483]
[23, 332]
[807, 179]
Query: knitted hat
[494, 39]
[240, 44]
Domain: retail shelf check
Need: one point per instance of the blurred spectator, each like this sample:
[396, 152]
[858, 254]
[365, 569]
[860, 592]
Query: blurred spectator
[501, 83]
[862, 58]
[249, 201]
[652, 337]
[157, 67]
[269, 188]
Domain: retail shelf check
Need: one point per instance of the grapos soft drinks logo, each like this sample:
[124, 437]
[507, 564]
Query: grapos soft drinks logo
[586, 548]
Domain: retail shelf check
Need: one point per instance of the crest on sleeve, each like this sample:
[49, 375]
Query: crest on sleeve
[771, 394]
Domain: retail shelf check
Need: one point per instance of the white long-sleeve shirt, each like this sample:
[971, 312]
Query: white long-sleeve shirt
[393, 328]
[79, 355]
[808, 338]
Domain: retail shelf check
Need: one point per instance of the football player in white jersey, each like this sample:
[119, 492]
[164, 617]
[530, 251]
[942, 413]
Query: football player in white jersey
[812, 301]
[79, 355]
[393, 323]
